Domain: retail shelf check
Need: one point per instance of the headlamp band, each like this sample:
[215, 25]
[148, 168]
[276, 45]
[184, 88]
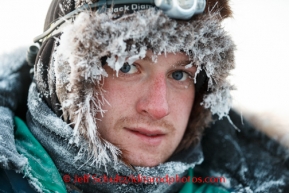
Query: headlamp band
[173, 8]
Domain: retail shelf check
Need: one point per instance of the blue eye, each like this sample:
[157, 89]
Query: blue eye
[125, 68]
[128, 69]
[178, 75]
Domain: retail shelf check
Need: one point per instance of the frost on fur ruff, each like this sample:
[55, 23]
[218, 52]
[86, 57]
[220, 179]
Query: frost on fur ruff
[93, 36]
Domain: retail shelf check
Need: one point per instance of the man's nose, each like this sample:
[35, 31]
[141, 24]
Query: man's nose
[153, 101]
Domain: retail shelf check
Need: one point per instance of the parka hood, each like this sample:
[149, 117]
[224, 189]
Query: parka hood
[69, 71]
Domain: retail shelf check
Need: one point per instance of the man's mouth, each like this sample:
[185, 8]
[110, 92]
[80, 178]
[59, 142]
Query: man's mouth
[150, 137]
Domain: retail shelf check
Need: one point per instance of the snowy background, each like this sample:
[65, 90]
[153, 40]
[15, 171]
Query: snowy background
[260, 28]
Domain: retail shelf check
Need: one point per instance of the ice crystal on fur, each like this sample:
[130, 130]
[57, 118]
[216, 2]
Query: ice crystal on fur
[219, 102]
[199, 68]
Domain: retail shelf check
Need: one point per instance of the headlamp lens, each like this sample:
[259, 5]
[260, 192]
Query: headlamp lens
[185, 4]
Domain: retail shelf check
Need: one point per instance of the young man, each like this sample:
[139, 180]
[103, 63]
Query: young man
[119, 101]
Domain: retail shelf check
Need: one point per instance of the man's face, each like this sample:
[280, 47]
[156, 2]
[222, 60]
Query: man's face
[150, 104]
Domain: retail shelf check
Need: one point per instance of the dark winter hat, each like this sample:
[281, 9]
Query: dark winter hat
[69, 65]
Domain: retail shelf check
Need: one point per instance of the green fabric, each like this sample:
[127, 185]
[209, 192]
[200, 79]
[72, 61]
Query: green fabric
[41, 170]
[191, 187]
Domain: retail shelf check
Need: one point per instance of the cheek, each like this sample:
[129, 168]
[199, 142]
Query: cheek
[181, 107]
[119, 99]
[117, 95]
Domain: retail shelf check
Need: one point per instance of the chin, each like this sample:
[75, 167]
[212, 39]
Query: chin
[146, 163]
[144, 160]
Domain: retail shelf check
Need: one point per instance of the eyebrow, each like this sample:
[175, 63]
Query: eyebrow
[183, 62]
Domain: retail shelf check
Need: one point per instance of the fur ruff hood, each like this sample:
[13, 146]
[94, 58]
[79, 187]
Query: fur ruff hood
[74, 71]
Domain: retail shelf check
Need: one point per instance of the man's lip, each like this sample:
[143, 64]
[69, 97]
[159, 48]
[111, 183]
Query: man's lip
[146, 131]
[150, 137]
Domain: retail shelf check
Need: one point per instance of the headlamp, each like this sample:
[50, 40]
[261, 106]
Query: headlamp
[176, 9]
[181, 9]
